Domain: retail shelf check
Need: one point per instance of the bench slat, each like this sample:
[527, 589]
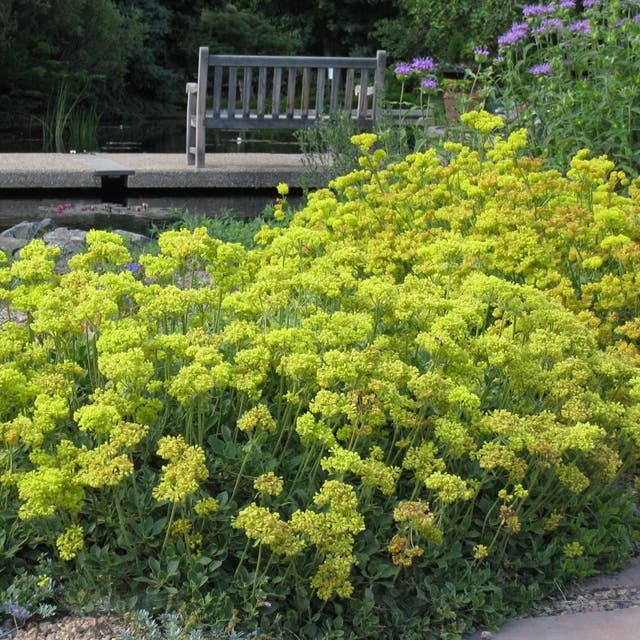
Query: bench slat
[320, 82]
[247, 92]
[283, 62]
[291, 91]
[262, 92]
[306, 91]
[349, 88]
[363, 98]
[233, 85]
[217, 91]
[277, 88]
[335, 90]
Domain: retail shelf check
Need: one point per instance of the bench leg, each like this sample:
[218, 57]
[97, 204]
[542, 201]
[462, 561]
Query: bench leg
[200, 144]
[190, 136]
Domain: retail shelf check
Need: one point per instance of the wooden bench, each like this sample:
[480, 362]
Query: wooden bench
[286, 92]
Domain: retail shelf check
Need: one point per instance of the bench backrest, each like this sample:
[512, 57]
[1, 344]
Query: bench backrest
[247, 91]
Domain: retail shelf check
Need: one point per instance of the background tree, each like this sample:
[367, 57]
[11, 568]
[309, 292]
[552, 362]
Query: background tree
[343, 27]
[451, 29]
[85, 43]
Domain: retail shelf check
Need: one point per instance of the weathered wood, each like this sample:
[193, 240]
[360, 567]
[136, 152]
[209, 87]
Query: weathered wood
[260, 78]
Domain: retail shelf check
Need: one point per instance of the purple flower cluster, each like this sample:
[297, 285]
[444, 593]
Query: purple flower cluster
[403, 69]
[548, 25]
[417, 65]
[567, 4]
[580, 26]
[481, 52]
[531, 10]
[423, 64]
[587, 4]
[515, 34]
[543, 69]
[429, 83]
[18, 612]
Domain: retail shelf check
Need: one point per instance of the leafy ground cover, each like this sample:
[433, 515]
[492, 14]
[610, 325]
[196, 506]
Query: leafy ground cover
[409, 411]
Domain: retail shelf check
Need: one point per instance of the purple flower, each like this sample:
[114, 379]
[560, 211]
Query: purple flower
[530, 10]
[423, 64]
[580, 26]
[481, 52]
[587, 4]
[548, 25]
[636, 19]
[542, 69]
[429, 83]
[134, 267]
[567, 4]
[498, 59]
[517, 32]
[18, 612]
[403, 69]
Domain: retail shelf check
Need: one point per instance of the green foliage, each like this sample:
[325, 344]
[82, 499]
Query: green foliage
[417, 394]
[571, 77]
[327, 148]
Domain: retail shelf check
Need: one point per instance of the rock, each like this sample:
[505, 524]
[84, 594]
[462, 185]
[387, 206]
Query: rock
[26, 230]
[12, 245]
[70, 241]
[132, 237]
[21, 234]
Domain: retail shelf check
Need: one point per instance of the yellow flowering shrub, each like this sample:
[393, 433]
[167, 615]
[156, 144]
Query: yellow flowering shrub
[428, 377]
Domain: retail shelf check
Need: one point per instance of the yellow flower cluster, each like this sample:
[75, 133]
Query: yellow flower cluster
[257, 419]
[269, 484]
[185, 470]
[403, 551]
[70, 542]
[266, 527]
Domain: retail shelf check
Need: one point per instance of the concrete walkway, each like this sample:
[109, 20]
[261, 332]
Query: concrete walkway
[151, 170]
[615, 624]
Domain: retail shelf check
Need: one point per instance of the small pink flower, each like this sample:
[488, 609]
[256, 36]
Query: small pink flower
[60, 209]
[84, 207]
[67, 205]
[138, 209]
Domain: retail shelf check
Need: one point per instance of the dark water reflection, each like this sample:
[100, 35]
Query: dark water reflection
[161, 135]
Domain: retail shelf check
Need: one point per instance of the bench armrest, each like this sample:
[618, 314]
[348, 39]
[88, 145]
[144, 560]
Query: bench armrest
[192, 87]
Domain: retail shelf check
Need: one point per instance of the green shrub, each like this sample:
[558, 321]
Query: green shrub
[411, 411]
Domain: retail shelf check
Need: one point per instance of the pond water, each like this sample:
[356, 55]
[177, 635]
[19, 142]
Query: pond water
[160, 135]
[140, 213]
